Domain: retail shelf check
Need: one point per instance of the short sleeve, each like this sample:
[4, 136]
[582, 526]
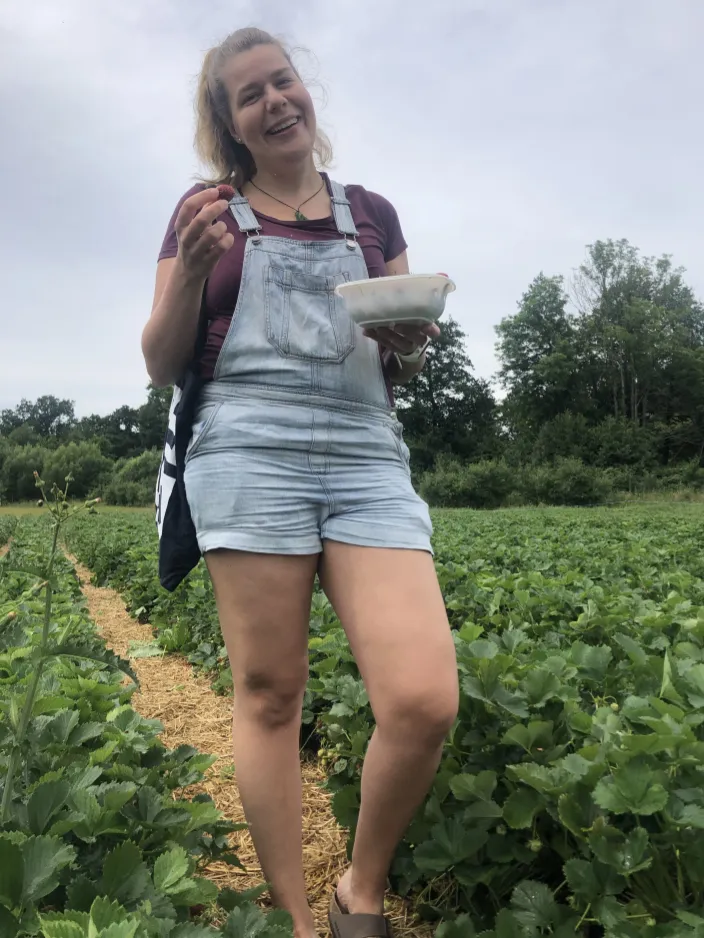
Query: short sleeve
[395, 243]
[169, 246]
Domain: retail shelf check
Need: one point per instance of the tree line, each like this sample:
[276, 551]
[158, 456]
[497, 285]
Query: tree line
[600, 384]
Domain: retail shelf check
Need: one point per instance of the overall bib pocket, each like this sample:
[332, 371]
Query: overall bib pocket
[304, 317]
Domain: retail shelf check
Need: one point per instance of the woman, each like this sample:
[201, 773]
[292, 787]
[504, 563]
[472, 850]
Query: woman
[296, 465]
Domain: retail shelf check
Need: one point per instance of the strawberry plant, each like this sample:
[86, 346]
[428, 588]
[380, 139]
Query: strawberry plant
[569, 798]
[97, 835]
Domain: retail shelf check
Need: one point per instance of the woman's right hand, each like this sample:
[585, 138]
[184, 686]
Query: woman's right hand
[202, 240]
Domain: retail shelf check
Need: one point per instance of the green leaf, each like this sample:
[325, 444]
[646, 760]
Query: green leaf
[592, 660]
[521, 806]
[229, 899]
[44, 802]
[125, 875]
[506, 926]
[11, 873]
[694, 681]
[667, 688]
[43, 858]
[9, 926]
[461, 927]
[692, 815]
[540, 685]
[544, 779]
[247, 922]
[451, 843]
[85, 732]
[577, 811]
[626, 853]
[483, 648]
[169, 868]
[631, 790]
[592, 881]
[121, 930]
[80, 893]
[632, 649]
[103, 912]
[117, 796]
[526, 736]
[534, 905]
[61, 929]
[467, 787]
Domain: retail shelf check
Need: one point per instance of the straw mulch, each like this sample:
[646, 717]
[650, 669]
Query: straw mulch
[192, 713]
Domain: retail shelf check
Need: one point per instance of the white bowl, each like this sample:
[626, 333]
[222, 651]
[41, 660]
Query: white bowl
[405, 298]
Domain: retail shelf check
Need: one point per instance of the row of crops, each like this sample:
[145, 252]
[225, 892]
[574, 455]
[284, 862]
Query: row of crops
[570, 799]
[99, 837]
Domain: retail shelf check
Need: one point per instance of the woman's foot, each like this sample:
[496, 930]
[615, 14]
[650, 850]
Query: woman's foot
[355, 897]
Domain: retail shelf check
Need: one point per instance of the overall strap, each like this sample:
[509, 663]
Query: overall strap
[243, 214]
[342, 211]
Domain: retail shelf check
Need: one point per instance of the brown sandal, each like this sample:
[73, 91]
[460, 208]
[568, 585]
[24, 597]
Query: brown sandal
[346, 925]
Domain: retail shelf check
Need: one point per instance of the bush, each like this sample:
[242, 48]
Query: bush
[486, 484]
[566, 482]
[83, 461]
[565, 435]
[17, 474]
[494, 484]
[621, 442]
[134, 481]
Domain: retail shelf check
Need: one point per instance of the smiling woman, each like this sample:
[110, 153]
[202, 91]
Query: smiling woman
[216, 144]
[284, 459]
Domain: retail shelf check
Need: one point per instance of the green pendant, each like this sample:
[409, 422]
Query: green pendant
[300, 216]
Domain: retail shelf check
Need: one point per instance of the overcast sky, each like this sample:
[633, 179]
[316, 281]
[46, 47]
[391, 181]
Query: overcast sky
[508, 133]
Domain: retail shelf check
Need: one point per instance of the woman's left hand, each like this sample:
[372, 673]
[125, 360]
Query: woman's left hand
[404, 339]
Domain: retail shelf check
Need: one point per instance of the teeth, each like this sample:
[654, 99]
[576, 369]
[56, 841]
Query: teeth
[280, 127]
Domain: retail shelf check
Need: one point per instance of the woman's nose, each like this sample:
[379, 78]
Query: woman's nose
[274, 99]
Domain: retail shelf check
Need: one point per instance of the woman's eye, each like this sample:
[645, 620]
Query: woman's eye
[284, 81]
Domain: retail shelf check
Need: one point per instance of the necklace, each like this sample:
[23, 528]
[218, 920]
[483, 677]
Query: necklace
[299, 216]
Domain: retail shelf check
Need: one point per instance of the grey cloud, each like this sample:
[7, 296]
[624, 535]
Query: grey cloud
[507, 133]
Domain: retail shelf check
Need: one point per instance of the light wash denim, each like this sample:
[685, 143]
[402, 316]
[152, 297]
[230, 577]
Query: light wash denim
[295, 440]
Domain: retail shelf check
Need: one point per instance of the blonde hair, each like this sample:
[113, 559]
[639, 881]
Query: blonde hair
[215, 144]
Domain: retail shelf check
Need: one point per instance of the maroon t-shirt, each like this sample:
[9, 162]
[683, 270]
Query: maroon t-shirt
[380, 238]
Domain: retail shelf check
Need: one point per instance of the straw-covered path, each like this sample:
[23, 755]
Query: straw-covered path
[191, 713]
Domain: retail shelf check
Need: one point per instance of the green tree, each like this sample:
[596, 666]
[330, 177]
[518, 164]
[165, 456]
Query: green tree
[637, 314]
[445, 409]
[153, 417]
[539, 358]
[48, 416]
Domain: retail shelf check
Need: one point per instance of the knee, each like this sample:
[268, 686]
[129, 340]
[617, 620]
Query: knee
[271, 699]
[422, 714]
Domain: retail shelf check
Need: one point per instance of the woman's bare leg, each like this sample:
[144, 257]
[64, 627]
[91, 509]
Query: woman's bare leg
[390, 605]
[264, 607]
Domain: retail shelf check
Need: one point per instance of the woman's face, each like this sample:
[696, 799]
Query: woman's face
[272, 112]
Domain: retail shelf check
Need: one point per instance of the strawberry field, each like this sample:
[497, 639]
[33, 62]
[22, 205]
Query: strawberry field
[98, 835]
[570, 799]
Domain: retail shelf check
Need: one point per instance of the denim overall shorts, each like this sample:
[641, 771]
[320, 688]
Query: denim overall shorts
[295, 441]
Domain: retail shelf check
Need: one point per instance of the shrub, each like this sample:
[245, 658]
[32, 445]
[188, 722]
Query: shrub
[16, 475]
[620, 442]
[83, 461]
[485, 484]
[565, 435]
[133, 482]
[566, 482]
